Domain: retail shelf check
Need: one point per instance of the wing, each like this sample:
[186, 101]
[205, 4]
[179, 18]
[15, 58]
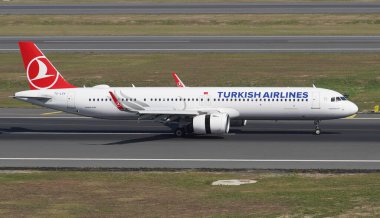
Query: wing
[142, 108]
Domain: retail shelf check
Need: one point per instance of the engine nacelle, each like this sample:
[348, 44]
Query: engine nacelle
[217, 123]
[238, 123]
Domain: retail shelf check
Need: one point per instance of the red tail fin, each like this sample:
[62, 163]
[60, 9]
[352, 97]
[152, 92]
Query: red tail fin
[40, 72]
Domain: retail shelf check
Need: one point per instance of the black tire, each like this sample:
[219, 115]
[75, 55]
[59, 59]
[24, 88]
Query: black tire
[179, 132]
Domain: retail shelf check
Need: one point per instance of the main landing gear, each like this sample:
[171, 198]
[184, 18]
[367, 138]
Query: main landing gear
[183, 130]
[317, 129]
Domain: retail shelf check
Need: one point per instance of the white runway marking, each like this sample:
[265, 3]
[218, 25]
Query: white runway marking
[120, 41]
[187, 160]
[43, 117]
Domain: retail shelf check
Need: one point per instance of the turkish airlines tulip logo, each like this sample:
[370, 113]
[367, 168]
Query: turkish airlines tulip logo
[41, 74]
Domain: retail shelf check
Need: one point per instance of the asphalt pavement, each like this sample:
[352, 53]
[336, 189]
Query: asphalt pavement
[196, 8]
[197, 43]
[44, 138]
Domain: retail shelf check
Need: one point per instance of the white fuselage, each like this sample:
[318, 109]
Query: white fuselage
[270, 103]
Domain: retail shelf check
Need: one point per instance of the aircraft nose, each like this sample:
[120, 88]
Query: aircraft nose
[353, 108]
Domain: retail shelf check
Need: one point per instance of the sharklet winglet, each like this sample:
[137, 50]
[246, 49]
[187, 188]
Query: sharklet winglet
[178, 81]
[117, 103]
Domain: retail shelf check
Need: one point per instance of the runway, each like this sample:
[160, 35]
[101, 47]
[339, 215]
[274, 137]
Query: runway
[197, 43]
[197, 8]
[42, 138]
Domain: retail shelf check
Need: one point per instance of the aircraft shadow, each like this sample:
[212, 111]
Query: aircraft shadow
[20, 130]
[142, 139]
[286, 132]
[161, 137]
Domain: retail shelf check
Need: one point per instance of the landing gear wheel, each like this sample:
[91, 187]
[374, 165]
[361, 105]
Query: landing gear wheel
[317, 129]
[179, 132]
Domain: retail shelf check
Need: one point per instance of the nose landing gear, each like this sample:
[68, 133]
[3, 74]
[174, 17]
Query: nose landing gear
[317, 129]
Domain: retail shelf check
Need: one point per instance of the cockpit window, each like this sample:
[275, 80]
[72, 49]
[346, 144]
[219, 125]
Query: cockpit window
[333, 99]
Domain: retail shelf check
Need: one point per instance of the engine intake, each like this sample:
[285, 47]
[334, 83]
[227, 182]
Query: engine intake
[216, 123]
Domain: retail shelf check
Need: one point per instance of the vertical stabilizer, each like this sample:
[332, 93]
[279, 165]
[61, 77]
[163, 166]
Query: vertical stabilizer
[41, 73]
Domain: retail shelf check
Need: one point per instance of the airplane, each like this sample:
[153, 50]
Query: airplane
[186, 110]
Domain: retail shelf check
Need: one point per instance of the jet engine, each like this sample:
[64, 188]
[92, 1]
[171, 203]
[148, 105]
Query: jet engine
[238, 123]
[216, 123]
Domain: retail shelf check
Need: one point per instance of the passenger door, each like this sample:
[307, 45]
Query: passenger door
[205, 100]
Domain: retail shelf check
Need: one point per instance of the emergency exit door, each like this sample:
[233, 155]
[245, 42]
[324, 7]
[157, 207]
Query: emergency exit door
[315, 101]
[71, 100]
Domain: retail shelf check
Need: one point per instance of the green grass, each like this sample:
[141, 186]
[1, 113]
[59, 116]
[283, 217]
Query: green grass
[201, 24]
[187, 194]
[355, 74]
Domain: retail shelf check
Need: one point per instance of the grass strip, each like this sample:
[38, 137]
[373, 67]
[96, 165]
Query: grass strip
[187, 194]
[203, 24]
